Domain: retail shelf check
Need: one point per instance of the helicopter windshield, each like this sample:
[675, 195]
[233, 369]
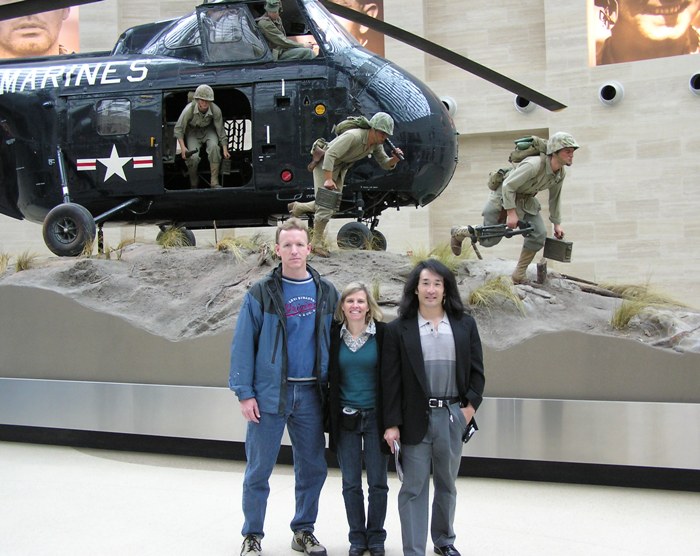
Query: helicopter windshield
[333, 36]
[214, 33]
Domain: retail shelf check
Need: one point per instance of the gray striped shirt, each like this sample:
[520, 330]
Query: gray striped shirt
[439, 356]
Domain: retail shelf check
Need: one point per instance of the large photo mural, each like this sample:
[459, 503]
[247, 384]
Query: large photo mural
[631, 30]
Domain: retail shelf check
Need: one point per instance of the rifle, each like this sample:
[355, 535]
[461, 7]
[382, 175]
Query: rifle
[496, 230]
[393, 149]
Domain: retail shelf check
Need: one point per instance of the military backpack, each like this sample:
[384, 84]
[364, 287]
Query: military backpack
[319, 146]
[529, 145]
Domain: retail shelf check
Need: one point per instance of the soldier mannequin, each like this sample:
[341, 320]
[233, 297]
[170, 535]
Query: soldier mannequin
[201, 122]
[516, 197]
[272, 29]
[341, 154]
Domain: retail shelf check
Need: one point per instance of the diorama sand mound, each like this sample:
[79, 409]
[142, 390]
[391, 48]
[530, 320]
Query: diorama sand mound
[182, 293]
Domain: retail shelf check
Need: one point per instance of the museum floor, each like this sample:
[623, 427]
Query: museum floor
[66, 501]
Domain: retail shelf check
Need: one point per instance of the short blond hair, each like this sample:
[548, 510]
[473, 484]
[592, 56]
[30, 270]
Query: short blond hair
[373, 313]
[291, 224]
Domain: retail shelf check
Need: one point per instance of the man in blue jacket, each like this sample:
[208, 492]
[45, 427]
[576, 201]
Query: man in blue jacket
[279, 368]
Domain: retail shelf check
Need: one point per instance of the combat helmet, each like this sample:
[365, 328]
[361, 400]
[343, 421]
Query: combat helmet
[273, 6]
[381, 121]
[560, 140]
[204, 92]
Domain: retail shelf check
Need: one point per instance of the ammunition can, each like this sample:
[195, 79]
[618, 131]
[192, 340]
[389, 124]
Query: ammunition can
[558, 249]
[327, 198]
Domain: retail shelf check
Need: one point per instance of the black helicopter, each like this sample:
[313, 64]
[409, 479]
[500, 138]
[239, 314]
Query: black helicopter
[87, 139]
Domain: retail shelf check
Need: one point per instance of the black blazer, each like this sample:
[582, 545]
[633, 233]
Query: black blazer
[334, 406]
[404, 383]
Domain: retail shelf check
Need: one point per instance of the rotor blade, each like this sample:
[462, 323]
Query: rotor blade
[445, 54]
[29, 7]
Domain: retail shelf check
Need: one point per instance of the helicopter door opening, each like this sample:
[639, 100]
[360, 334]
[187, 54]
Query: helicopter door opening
[237, 171]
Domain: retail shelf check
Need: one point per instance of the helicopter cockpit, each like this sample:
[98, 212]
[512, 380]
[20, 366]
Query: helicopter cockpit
[227, 32]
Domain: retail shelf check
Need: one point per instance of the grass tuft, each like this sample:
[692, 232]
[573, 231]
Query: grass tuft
[494, 292]
[636, 301]
[4, 262]
[172, 237]
[86, 253]
[627, 310]
[642, 292]
[232, 245]
[375, 288]
[25, 261]
[442, 253]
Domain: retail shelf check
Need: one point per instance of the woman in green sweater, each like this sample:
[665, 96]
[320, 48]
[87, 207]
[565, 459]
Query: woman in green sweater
[355, 415]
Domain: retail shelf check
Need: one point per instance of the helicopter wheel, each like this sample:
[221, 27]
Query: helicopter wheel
[188, 239]
[354, 235]
[68, 228]
[378, 241]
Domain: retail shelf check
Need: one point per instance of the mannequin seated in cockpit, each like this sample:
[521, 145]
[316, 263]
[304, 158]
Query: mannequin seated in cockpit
[270, 24]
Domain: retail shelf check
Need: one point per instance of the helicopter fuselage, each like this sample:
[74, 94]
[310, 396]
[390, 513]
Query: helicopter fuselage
[97, 130]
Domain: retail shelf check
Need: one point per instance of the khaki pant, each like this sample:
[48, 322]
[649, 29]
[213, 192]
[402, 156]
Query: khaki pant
[492, 214]
[322, 213]
[194, 139]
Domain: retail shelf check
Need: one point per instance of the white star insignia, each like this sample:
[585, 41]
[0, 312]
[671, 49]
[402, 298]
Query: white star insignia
[115, 164]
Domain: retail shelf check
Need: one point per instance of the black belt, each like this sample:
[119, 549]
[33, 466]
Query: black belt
[441, 402]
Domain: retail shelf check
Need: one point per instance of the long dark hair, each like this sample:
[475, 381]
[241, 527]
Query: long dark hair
[408, 308]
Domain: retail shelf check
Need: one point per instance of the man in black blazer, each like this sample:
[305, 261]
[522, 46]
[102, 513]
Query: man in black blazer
[433, 383]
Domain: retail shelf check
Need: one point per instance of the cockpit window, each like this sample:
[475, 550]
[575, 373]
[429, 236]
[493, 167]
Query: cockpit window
[185, 33]
[229, 34]
[113, 116]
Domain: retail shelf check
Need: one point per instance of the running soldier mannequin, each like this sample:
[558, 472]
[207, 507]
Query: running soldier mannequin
[516, 198]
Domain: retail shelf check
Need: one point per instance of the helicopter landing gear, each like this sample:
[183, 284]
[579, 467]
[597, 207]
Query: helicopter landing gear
[354, 235]
[188, 239]
[68, 228]
[378, 241]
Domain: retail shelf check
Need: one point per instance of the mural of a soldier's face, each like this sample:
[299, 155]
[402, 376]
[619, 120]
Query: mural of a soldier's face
[659, 20]
[32, 35]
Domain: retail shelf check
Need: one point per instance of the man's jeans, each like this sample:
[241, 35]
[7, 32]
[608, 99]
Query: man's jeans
[369, 534]
[304, 421]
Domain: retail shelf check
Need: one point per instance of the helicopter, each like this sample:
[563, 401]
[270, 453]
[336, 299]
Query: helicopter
[88, 139]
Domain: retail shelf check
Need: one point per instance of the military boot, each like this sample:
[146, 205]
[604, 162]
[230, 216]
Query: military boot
[520, 273]
[317, 246]
[194, 176]
[457, 235]
[215, 167]
[300, 209]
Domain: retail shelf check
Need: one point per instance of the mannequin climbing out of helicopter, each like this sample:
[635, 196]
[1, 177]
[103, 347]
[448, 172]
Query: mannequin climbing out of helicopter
[201, 123]
[358, 139]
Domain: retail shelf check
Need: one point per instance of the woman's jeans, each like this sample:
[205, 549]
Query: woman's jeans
[369, 532]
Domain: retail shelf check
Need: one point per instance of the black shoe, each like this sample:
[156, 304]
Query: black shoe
[447, 550]
[378, 551]
[356, 551]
